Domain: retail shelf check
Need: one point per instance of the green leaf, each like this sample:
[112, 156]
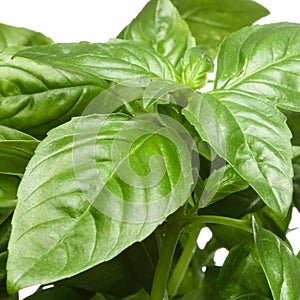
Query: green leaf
[160, 26]
[293, 120]
[35, 97]
[279, 263]
[211, 20]
[252, 136]
[195, 65]
[117, 60]
[5, 230]
[108, 181]
[265, 61]
[164, 92]
[8, 195]
[296, 195]
[16, 149]
[220, 184]
[16, 36]
[241, 276]
[123, 275]
[269, 220]
[235, 205]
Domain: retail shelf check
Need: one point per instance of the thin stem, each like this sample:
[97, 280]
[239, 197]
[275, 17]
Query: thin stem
[169, 242]
[232, 222]
[183, 263]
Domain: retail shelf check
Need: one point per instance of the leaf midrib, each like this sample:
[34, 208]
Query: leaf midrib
[242, 80]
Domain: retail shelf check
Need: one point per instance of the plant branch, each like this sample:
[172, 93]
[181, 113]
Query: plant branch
[169, 241]
[232, 222]
[183, 263]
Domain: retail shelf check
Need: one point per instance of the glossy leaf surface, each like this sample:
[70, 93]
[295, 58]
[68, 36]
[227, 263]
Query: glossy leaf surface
[265, 61]
[108, 181]
[243, 130]
[36, 97]
[241, 276]
[221, 183]
[211, 20]
[16, 149]
[117, 60]
[16, 36]
[159, 25]
[280, 265]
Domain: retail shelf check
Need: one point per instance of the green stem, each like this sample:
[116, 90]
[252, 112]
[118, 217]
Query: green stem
[183, 264]
[169, 242]
[203, 219]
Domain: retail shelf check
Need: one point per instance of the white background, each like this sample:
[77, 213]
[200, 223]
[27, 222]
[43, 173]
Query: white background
[99, 20]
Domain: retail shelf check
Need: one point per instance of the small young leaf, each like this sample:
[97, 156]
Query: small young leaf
[220, 184]
[279, 263]
[195, 65]
[35, 97]
[159, 25]
[241, 276]
[117, 60]
[263, 61]
[16, 36]
[210, 21]
[108, 181]
[253, 137]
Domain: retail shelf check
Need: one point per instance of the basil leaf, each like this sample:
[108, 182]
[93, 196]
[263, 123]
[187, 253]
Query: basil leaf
[93, 174]
[273, 252]
[195, 64]
[293, 120]
[16, 36]
[35, 98]
[241, 276]
[16, 149]
[269, 220]
[221, 183]
[211, 20]
[117, 60]
[252, 136]
[8, 195]
[160, 26]
[296, 196]
[263, 60]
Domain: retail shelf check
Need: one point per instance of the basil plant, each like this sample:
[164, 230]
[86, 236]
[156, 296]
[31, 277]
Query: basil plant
[114, 156]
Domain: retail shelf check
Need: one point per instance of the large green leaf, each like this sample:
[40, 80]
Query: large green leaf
[36, 97]
[16, 36]
[117, 60]
[211, 20]
[16, 149]
[242, 276]
[280, 265]
[253, 137]
[108, 181]
[263, 60]
[159, 25]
